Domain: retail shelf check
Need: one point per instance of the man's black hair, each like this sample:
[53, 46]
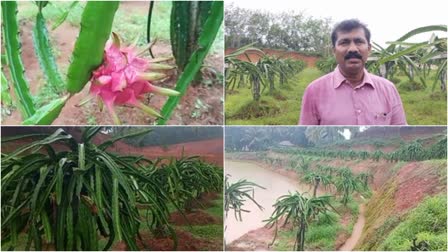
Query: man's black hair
[348, 26]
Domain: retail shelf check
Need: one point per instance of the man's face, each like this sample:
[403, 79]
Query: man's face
[351, 51]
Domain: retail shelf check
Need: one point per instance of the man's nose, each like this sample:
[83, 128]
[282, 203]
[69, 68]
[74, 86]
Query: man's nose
[353, 47]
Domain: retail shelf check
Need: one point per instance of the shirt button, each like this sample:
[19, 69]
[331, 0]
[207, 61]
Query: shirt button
[359, 111]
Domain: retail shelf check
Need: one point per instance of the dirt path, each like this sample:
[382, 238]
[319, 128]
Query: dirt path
[350, 244]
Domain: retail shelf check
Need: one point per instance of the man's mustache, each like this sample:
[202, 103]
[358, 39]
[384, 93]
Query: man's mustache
[352, 55]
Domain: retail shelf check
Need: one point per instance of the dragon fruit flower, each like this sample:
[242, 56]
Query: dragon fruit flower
[123, 79]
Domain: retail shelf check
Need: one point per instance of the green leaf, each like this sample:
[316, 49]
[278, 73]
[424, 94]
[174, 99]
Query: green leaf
[48, 113]
[205, 41]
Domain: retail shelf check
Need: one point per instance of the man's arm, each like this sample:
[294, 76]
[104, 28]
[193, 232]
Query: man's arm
[308, 114]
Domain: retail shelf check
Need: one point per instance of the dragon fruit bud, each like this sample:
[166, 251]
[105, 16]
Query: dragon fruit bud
[124, 78]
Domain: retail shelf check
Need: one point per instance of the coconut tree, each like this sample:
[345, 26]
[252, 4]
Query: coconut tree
[299, 210]
[256, 138]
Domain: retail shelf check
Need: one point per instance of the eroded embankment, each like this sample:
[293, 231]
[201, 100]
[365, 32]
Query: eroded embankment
[394, 203]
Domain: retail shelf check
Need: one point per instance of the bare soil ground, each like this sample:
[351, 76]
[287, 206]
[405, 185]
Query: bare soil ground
[186, 242]
[258, 239]
[188, 111]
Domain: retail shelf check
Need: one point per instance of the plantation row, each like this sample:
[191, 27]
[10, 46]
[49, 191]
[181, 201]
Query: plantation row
[68, 195]
[413, 151]
[261, 74]
[340, 178]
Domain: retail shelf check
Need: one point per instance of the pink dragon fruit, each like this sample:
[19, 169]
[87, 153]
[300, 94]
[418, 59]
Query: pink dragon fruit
[122, 79]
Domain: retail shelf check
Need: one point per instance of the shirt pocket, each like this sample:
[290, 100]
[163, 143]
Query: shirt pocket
[382, 118]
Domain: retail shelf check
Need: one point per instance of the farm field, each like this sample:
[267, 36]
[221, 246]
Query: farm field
[271, 57]
[382, 189]
[201, 103]
[422, 107]
[106, 188]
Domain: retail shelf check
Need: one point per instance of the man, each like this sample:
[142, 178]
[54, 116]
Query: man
[350, 95]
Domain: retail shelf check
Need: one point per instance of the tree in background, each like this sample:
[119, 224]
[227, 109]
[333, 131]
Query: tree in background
[286, 30]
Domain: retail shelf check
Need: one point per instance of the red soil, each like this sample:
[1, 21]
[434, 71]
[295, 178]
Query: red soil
[254, 56]
[207, 150]
[258, 239]
[186, 242]
[415, 182]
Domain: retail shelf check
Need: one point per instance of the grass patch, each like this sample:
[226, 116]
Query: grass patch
[133, 25]
[52, 12]
[217, 209]
[286, 109]
[427, 222]
[213, 232]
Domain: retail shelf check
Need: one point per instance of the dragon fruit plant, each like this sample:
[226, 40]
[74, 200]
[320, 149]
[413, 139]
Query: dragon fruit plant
[124, 78]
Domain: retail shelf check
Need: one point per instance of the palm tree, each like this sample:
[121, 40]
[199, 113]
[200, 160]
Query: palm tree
[300, 210]
[256, 138]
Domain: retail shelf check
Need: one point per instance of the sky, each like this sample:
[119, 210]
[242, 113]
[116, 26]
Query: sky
[387, 19]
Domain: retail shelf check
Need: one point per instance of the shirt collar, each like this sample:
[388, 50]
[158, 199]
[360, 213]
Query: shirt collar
[339, 79]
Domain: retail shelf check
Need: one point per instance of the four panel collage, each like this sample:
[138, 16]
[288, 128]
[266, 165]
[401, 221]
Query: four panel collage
[223, 126]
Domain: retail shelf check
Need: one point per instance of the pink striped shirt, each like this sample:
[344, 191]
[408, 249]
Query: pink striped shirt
[331, 100]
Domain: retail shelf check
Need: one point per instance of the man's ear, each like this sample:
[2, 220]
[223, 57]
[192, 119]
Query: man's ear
[370, 48]
[334, 50]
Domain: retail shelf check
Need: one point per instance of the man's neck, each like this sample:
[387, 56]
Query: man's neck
[354, 80]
